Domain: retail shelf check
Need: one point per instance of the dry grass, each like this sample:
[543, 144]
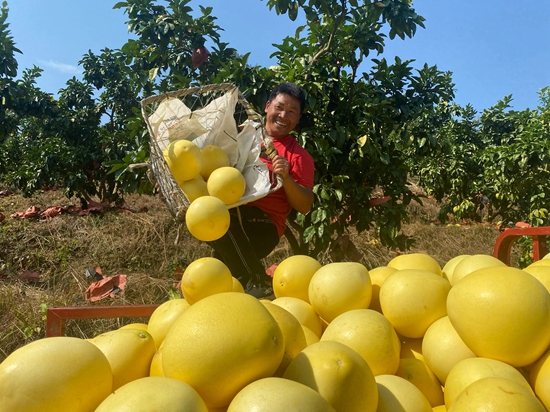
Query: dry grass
[141, 245]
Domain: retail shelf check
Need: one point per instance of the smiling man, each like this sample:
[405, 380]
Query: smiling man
[257, 227]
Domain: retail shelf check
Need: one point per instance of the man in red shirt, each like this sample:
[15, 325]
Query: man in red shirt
[256, 227]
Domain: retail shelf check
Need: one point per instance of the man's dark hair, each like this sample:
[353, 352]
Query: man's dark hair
[292, 90]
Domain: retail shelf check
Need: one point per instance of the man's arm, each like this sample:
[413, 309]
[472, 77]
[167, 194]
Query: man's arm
[299, 197]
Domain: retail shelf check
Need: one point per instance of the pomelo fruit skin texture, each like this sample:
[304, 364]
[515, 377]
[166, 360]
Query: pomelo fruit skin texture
[194, 188]
[213, 157]
[420, 261]
[338, 287]
[540, 378]
[278, 395]
[162, 318]
[292, 276]
[184, 159]
[420, 375]
[501, 313]
[207, 218]
[470, 370]
[378, 276]
[154, 394]
[204, 277]
[496, 394]
[303, 311]
[53, 374]
[449, 267]
[371, 335]
[472, 263]
[226, 183]
[396, 394]
[221, 344]
[338, 373]
[443, 348]
[413, 299]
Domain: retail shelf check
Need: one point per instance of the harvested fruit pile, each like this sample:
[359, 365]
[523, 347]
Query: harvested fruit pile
[409, 336]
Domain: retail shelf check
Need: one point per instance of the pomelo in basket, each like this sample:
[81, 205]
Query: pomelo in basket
[163, 317]
[412, 299]
[396, 394]
[338, 287]
[496, 394]
[501, 313]
[443, 348]
[470, 370]
[227, 184]
[371, 335]
[194, 188]
[420, 261]
[207, 218]
[184, 159]
[129, 352]
[274, 394]
[213, 157]
[293, 334]
[292, 276]
[449, 267]
[56, 373]
[154, 394]
[204, 277]
[472, 263]
[338, 373]
[221, 344]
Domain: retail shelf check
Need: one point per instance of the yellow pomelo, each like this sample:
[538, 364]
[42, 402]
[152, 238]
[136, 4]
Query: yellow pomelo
[221, 344]
[540, 378]
[472, 263]
[213, 157]
[51, 374]
[439, 408]
[129, 352]
[449, 268]
[207, 218]
[371, 335]
[293, 335]
[547, 256]
[162, 318]
[277, 395]
[541, 273]
[184, 159]
[204, 277]
[292, 276]
[194, 188]
[443, 348]
[420, 261]
[542, 262]
[467, 371]
[338, 287]
[377, 277]
[154, 394]
[227, 184]
[396, 394]
[496, 394]
[311, 337]
[142, 326]
[302, 311]
[413, 299]
[420, 375]
[156, 363]
[236, 286]
[501, 313]
[338, 373]
[411, 347]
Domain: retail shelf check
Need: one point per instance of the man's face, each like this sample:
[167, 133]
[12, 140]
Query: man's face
[282, 115]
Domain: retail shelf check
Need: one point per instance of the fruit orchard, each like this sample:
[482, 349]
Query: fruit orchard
[370, 124]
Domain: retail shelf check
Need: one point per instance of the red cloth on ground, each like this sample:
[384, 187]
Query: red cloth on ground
[302, 170]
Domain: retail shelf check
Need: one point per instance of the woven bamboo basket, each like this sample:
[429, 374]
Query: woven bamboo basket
[196, 98]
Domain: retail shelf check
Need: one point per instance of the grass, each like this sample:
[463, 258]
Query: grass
[141, 244]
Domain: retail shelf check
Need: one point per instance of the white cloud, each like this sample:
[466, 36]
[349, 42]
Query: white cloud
[61, 67]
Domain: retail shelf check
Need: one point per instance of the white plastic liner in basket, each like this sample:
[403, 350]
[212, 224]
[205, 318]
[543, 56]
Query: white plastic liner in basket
[214, 124]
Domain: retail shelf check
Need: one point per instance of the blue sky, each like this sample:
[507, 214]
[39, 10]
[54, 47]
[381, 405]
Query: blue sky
[494, 47]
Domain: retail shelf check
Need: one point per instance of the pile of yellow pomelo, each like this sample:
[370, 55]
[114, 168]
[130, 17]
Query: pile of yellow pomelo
[209, 183]
[412, 336]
